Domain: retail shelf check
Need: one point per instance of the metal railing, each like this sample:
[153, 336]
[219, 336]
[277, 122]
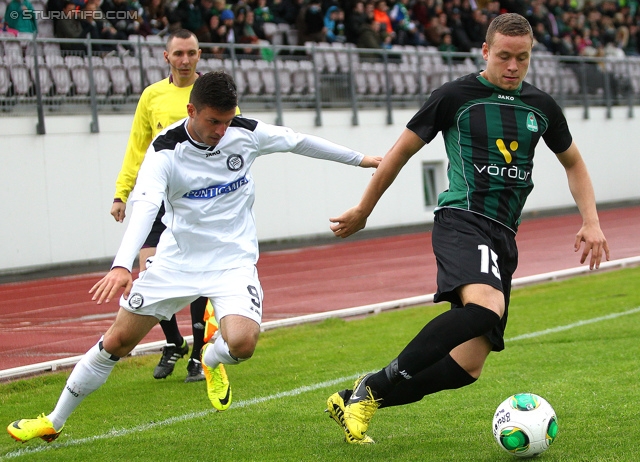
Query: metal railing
[46, 76]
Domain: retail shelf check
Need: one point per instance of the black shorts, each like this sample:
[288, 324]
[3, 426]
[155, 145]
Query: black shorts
[472, 249]
[156, 230]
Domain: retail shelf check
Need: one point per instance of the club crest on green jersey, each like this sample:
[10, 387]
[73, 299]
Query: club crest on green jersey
[532, 123]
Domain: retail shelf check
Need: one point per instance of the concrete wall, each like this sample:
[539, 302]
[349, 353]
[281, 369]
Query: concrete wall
[56, 189]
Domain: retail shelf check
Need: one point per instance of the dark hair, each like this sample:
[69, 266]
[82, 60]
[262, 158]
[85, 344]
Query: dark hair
[509, 24]
[181, 34]
[216, 90]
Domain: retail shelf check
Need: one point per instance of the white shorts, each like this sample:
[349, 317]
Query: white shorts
[162, 292]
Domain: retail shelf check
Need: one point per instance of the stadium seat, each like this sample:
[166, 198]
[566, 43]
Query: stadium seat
[80, 79]
[96, 61]
[101, 80]
[254, 80]
[13, 53]
[410, 78]
[156, 45]
[21, 79]
[134, 76]
[29, 50]
[237, 74]
[154, 74]
[112, 61]
[119, 80]
[374, 85]
[360, 80]
[346, 52]
[273, 34]
[61, 79]
[72, 61]
[298, 78]
[306, 68]
[54, 60]
[46, 82]
[5, 80]
[292, 35]
[284, 78]
[215, 63]
[398, 87]
[316, 56]
[52, 49]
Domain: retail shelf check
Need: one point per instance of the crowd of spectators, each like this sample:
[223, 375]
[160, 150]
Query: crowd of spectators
[561, 27]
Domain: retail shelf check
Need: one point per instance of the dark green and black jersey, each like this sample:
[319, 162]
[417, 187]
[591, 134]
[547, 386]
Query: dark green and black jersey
[490, 136]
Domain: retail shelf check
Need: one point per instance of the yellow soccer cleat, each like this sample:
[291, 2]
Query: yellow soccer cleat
[218, 387]
[359, 409]
[335, 408]
[24, 430]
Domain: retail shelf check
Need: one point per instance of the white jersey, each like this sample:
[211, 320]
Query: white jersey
[209, 193]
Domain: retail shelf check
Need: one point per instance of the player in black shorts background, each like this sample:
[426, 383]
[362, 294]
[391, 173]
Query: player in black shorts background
[491, 122]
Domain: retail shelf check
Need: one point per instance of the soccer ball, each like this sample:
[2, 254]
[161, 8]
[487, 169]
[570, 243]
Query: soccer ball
[525, 425]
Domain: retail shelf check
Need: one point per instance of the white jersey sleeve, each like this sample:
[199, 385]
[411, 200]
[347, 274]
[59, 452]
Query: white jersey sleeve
[142, 216]
[153, 177]
[273, 138]
[146, 199]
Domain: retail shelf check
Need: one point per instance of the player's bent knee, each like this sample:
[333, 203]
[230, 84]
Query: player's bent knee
[243, 349]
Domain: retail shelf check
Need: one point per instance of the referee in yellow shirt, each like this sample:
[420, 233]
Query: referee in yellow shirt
[160, 105]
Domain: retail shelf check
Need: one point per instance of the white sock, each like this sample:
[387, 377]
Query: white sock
[219, 353]
[87, 376]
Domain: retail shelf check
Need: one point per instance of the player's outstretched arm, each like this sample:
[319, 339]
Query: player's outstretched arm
[107, 287]
[355, 219]
[370, 162]
[582, 191]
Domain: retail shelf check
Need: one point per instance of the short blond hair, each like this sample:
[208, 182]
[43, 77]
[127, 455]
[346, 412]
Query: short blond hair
[510, 24]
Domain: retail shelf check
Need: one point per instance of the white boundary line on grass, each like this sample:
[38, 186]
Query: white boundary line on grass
[283, 394]
[343, 313]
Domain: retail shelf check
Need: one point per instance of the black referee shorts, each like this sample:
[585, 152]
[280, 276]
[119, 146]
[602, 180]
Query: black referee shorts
[472, 249]
[156, 230]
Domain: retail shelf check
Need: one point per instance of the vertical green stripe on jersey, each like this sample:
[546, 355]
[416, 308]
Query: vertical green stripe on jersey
[494, 140]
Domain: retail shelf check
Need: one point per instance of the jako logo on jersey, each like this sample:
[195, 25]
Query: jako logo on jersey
[507, 97]
[211, 154]
[532, 123]
[503, 149]
[235, 162]
[216, 190]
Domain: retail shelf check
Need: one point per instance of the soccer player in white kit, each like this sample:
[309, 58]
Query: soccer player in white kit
[200, 168]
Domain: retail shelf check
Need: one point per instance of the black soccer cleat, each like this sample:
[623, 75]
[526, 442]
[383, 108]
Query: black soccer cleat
[170, 354]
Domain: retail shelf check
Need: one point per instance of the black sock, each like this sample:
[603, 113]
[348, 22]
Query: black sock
[171, 331]
[197, 323]
[441, 335]
[446, 374]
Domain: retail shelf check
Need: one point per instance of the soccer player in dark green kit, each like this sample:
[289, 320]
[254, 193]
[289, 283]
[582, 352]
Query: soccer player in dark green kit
[491, 122]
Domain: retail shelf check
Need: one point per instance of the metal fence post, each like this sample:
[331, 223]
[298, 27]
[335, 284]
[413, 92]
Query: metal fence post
[94, 125]
[40, 129]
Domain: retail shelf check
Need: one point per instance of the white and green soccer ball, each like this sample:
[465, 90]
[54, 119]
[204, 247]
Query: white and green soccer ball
[525, 425]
